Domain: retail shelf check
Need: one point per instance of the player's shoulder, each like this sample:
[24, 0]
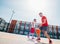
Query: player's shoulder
[44, 16]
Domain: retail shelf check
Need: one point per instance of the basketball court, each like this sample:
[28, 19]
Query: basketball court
[8, 38]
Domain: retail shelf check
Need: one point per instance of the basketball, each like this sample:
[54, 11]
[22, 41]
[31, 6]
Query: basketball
[38, 31]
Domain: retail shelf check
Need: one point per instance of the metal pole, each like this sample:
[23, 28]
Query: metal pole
[11, 16]
[10, 20]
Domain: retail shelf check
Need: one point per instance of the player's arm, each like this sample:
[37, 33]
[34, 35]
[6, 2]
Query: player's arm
[44, 21]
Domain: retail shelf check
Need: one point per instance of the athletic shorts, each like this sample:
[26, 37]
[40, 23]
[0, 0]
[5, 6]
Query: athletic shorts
[32, 30]
[44, 28]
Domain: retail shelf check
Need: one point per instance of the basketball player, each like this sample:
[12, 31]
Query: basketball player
[44, 26]
[32, 29]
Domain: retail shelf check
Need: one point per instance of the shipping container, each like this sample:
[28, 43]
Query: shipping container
[12, 26]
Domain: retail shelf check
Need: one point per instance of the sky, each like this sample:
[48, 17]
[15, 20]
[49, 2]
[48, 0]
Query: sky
[27, 10]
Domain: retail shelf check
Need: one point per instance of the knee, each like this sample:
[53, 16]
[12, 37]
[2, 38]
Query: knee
[45, 32]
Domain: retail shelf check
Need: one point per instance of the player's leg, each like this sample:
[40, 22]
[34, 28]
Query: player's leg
[38, 33]
[46, 34]
[33, 31]
[38, 36]
[32, 35]
[30, 32]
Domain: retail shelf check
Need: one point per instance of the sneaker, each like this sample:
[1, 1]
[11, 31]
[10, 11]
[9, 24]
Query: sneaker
[38, 39]
[50, 42]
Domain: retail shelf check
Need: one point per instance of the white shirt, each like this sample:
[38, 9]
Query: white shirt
[34, 25]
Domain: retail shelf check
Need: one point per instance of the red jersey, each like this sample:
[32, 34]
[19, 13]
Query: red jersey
[46, 23]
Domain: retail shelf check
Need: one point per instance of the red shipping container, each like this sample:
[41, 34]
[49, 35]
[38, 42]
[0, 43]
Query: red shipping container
[12, 26]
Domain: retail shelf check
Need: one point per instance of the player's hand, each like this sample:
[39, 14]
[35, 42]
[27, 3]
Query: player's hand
[40, 25]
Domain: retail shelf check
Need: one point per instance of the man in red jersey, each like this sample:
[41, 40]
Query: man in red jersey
[44, 26]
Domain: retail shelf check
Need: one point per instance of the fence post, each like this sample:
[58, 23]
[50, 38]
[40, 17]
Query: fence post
[19, 27]
[29, 28]
[57, 32]
[52, 31]
[24, 28]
